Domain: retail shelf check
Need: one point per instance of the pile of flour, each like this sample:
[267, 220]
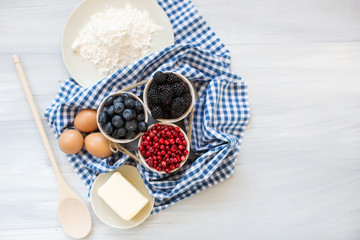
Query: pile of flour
[114, 38]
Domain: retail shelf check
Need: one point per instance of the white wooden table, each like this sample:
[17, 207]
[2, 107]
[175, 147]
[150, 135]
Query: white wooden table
[298, 173]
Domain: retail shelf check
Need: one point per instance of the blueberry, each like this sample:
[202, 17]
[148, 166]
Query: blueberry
[118, 100]
[119, 107]
[105, 109]
[128, 114]
[117, 121]
[140, 117]
[130, 135]
[121, 132]
[139, 107]
[142, 126]
[131, 125]
[108, 128]
[114, 134]
[125, 96]
[102, 117]
[129, 103]
[109, 101]
[111, 111]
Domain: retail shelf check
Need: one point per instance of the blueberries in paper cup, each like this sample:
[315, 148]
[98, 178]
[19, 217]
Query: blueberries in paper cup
[122, 117]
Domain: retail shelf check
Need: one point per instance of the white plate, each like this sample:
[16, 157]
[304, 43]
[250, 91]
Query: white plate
[106, 214]
[83, 71]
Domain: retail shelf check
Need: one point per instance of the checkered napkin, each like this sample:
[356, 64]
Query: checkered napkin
[221, 110]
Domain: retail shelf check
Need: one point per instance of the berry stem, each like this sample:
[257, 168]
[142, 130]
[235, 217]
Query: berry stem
[118, 147]
[190, 125]
[135, 85]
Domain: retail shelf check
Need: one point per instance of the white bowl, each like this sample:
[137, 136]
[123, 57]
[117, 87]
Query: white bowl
[142, 159]
[101, 128]
[82, 70]
[192, 93]
[106, 214]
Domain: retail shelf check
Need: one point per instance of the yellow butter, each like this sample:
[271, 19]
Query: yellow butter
[122, 196]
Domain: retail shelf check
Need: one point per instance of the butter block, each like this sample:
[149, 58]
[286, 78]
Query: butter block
[122, 196]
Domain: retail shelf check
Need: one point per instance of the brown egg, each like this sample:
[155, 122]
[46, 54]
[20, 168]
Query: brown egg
[85, 120]
[71, 141]
[96, 144]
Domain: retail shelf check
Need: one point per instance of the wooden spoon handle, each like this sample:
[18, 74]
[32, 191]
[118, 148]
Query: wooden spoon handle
[37, 118]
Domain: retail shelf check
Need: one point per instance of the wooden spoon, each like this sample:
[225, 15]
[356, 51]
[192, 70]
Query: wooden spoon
[73, 214]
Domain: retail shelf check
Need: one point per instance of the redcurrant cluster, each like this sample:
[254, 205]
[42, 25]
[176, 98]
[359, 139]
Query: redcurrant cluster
[163, 147]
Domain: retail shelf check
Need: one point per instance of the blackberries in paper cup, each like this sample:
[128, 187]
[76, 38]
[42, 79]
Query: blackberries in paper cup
[169, 97]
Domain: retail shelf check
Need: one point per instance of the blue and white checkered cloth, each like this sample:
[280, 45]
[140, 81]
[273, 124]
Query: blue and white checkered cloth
[221, 110]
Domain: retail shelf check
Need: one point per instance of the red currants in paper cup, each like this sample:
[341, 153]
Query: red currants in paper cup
[164, 148]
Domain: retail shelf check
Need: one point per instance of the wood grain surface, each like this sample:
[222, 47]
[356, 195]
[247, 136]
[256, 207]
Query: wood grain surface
[298, 173]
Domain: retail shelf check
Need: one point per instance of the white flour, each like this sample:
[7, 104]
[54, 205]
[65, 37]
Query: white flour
[115, 38]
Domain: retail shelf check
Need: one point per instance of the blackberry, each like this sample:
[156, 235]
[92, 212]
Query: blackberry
[128, 114]
[130, 134]
[153, 87]
[156, 112]
[166, 107]
[166, 94]
[187, 98]
[108, 128]
[178, 89]
[119, 107]
[131, 125]
[102, 117]
[109, 101]
[166, 115]
[140, 117]
[173, 78]
[117, 121]
[142, 126]
[186, 87]
[139, 107]
[129, 103]
[160, 77]
[178, 107]
[175, 114]
[154, 96]
[151, 105]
